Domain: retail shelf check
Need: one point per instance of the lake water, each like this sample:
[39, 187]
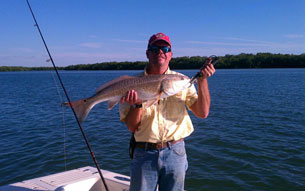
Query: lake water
[253, 139]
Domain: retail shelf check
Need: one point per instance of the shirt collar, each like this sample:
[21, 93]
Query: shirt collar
[168, 71]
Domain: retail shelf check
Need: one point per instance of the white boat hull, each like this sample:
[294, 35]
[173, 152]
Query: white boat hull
[81, 179]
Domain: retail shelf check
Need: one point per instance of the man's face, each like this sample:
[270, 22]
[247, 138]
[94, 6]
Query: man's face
[159, 58]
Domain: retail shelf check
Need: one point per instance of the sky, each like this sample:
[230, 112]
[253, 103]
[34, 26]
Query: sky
[92, 31]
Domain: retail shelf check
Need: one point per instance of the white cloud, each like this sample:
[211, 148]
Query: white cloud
[294, 36]
[26, 50]
[130, 41]
[234, 45]
[228, 43]
[91, 44]
[92, 36]
[246, 40]
[76, 57]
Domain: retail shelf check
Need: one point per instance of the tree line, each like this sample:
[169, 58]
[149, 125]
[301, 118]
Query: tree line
[259, 60]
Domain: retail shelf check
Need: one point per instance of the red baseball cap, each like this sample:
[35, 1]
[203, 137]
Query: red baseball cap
[157, 37]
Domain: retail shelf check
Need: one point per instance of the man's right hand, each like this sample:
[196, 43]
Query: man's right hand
[131, 98]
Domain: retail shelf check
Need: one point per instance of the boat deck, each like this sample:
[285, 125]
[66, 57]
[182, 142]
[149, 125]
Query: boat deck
[82, 179]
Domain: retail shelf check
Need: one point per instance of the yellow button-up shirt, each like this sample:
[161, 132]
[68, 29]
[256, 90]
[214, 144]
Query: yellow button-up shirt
[165, 120]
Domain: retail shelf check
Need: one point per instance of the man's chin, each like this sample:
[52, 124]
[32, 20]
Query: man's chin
[161, 61]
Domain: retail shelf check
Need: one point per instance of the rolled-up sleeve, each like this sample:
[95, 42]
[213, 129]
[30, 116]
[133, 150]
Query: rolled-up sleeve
[191, 96]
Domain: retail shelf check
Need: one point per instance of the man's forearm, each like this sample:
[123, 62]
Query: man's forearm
[133, 119]
[201, 107]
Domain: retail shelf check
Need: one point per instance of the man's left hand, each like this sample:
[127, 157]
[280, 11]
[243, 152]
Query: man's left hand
[209, 70]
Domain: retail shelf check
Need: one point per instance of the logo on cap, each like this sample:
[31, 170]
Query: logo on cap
[157, 37]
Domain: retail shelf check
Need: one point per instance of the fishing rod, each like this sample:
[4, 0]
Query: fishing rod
[214, 60]
[69, 101]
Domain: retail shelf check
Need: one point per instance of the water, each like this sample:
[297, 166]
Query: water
[253, 139]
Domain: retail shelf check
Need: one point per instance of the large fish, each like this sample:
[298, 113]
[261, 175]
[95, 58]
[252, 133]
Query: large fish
[150, 89]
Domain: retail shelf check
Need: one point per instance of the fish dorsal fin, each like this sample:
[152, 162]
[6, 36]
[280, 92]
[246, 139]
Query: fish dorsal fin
[113, 82]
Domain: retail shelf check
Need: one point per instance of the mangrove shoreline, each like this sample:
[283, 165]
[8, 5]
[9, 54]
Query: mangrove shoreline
[241, 61]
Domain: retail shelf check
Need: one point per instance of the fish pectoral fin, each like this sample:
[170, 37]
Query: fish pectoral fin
[112, 103]
[159, 96]
[151, 102]
[169, 92]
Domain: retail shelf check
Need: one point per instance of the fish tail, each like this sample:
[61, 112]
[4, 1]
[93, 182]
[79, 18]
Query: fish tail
[81, 107]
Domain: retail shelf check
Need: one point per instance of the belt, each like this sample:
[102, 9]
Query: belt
[158, 146]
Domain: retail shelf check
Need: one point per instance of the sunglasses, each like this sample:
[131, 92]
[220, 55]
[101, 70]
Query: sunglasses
[156, 49]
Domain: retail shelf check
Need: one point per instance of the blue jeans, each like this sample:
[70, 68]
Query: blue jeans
[165, 167]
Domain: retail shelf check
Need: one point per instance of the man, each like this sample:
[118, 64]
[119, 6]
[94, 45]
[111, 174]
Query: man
[159, 157]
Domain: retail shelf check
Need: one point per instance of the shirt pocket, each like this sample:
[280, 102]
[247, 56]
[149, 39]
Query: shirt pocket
[174, 108]
[148, 113]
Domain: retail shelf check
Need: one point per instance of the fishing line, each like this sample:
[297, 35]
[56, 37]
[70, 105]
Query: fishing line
[64, 128]
[69, 101]
[63, 117]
